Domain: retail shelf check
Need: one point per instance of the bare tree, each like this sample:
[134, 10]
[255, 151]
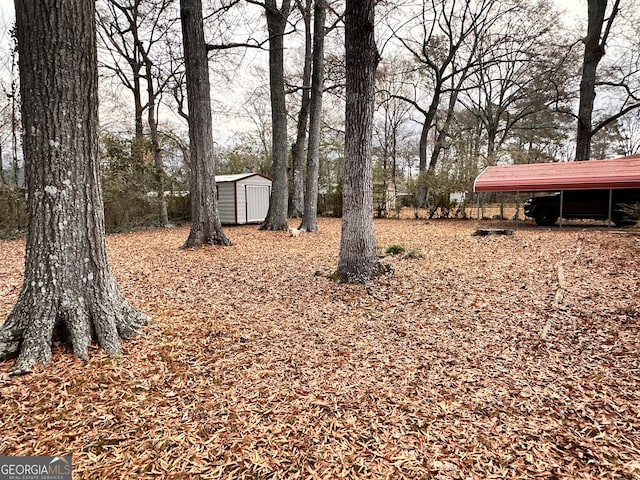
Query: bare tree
[443, 38]
[310, 218]
[276, 24]
[630, 129]
[392, 130]
[135, 33]
[298, 148]
[357, 262]
[594, 49]
[10, 112]
[620, 78]
[516, 78]
[67, 281]
[206, 227]
[444, 47]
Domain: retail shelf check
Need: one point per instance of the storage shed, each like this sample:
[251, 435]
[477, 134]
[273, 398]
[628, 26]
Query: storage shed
[243, 198]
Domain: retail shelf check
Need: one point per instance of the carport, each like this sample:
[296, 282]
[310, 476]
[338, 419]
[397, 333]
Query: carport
[609, 175]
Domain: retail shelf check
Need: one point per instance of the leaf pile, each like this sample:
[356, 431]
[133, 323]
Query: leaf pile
[462, 365]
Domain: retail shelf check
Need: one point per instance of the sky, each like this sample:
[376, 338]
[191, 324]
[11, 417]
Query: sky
[573, 7]
[6, 9]
[576, 14]
[576, 9]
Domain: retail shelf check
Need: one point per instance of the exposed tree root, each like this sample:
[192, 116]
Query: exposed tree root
[29, 330]
[362, 275]
[199, 239]
[267, 225]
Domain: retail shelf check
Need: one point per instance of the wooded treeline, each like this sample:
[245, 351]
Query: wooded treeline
[459, 86]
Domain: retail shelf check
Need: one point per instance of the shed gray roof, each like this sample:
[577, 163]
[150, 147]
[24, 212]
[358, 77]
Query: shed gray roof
[237, 177]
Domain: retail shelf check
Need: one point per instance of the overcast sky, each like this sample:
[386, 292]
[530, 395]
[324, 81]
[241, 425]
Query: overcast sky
[6, 8]
[574, 7]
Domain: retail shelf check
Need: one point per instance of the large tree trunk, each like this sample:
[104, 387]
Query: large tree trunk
[310, 218]
[276, 23]
[594, 49]
[297, 151]
[443, 132]
[357, 262]
[67, 280]
[424, 172]
[206, 227]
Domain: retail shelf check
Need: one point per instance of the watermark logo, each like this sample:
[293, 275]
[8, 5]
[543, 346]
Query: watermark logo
[35, 468]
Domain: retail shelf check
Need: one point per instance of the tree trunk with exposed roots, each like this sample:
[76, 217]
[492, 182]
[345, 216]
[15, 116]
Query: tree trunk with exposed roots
[206, 227]
[68, 284]
[357, 262]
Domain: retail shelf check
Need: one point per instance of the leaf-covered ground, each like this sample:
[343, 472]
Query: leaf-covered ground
[468, 363]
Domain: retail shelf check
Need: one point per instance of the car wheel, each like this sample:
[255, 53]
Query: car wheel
[546, 217]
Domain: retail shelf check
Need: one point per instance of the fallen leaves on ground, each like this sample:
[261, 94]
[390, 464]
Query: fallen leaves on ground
[459, 366]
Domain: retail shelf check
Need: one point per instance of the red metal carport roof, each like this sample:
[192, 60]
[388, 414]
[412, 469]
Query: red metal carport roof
[538, 177]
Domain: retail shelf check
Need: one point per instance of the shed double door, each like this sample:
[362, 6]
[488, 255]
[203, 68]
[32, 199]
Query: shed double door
[257, 202]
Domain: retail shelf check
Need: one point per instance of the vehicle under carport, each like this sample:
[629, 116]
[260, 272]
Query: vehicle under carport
[614, 181]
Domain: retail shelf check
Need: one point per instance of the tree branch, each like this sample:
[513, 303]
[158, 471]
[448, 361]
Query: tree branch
[228, 46]
[613, 118]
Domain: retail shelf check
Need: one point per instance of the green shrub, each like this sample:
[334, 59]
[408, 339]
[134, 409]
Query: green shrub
[395, 250]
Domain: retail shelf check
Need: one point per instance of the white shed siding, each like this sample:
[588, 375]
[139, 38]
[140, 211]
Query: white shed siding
[257, 202]
[227, 203]
[241, 203]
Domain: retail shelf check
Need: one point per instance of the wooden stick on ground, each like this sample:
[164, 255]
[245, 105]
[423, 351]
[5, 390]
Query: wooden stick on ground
[557, 300]
[560, 289]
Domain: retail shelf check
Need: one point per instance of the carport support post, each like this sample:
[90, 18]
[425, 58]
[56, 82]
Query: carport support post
[561, 206]
[478, 206]
[610, 207]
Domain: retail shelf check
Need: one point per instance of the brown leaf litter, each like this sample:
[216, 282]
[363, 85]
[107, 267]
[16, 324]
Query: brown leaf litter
[467, 363]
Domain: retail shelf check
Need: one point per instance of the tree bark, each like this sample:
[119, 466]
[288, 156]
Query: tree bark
[594, 50]
[152, 94]
[278, 205]
[423, 167]
[14, 121]
[310, 218]
[68, 282]
[443, 132]
[297, 151]
[206, 227]
[357, 261]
